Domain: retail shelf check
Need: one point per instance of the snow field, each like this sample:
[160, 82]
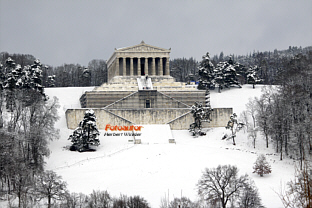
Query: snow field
[154, 171]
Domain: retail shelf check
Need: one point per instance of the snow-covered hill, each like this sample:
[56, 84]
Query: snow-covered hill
[154, 171]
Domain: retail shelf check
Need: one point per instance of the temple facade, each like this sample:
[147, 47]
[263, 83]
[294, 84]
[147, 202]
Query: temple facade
[139, 60]
[140, 90]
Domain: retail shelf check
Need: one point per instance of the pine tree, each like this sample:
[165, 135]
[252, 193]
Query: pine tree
[198, 114]
[51, 81]
[252, 76]
[85, 134]
[226, 75]
[206, 73]
[218, 80]
[201, 114]
[261, 166]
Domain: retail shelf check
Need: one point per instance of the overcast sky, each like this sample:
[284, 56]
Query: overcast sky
[63, 31]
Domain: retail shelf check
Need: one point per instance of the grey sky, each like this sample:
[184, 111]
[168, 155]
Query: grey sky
[78, 31]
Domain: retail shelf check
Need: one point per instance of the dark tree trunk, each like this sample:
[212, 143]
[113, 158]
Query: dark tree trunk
[49, 201]
[281, 146]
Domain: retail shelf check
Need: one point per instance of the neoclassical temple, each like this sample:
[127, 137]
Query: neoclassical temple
[140, 90]
[139, 60]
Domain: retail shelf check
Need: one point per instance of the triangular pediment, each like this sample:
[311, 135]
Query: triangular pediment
[142, 47]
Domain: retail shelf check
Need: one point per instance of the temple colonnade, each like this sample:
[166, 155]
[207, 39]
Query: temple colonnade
[125, 66]
[139, 60]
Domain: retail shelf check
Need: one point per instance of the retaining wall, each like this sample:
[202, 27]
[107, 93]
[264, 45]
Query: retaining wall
[178, 119]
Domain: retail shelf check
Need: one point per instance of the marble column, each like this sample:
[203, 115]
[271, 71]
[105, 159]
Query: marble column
[161, 68]
[117, 67]
[167, 71]
[146, 66]
[139, 66]
[131, 66]
[153, 66]
[124, 72]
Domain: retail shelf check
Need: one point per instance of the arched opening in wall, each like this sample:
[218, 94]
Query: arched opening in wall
[142, 66]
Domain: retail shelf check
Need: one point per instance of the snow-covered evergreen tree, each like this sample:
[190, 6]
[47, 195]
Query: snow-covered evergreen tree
[198, 114]
[201, 114]
[51, 81]
[23, 84]
[218, 80]
[252, 76]
[226, 75]
[261, 166]
[85, 134]
[206, 73]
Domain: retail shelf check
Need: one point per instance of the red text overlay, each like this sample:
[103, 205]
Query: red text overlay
[123, 128]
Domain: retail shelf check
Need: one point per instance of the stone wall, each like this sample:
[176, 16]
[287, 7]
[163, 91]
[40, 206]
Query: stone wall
[74, 116]
[100, 99]
[178, 119]
[219, 116]
[134, 100]
[138, 101]
[187, 97]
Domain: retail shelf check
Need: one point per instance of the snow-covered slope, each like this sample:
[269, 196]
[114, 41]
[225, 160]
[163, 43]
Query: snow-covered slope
[154, 171]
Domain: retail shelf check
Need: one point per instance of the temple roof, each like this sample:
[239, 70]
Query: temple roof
[142, 47]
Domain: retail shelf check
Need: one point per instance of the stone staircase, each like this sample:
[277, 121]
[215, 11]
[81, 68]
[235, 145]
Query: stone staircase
[145, 83]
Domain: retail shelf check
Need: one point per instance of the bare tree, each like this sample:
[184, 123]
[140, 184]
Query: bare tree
[100, 199]
[299, 190]
[137, 202]
[249, 197]
[183, 202]
[74, 200]
[220, 185]
[263, 114]
[50, 185]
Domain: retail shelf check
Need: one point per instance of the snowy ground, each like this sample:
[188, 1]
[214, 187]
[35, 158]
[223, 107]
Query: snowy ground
[154, 171]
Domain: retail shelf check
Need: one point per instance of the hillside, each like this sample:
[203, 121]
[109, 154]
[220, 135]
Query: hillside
[155, 171]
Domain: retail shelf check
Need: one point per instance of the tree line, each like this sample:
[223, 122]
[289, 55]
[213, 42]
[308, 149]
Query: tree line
[27, 118]
[182, 69]
[283, 112]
